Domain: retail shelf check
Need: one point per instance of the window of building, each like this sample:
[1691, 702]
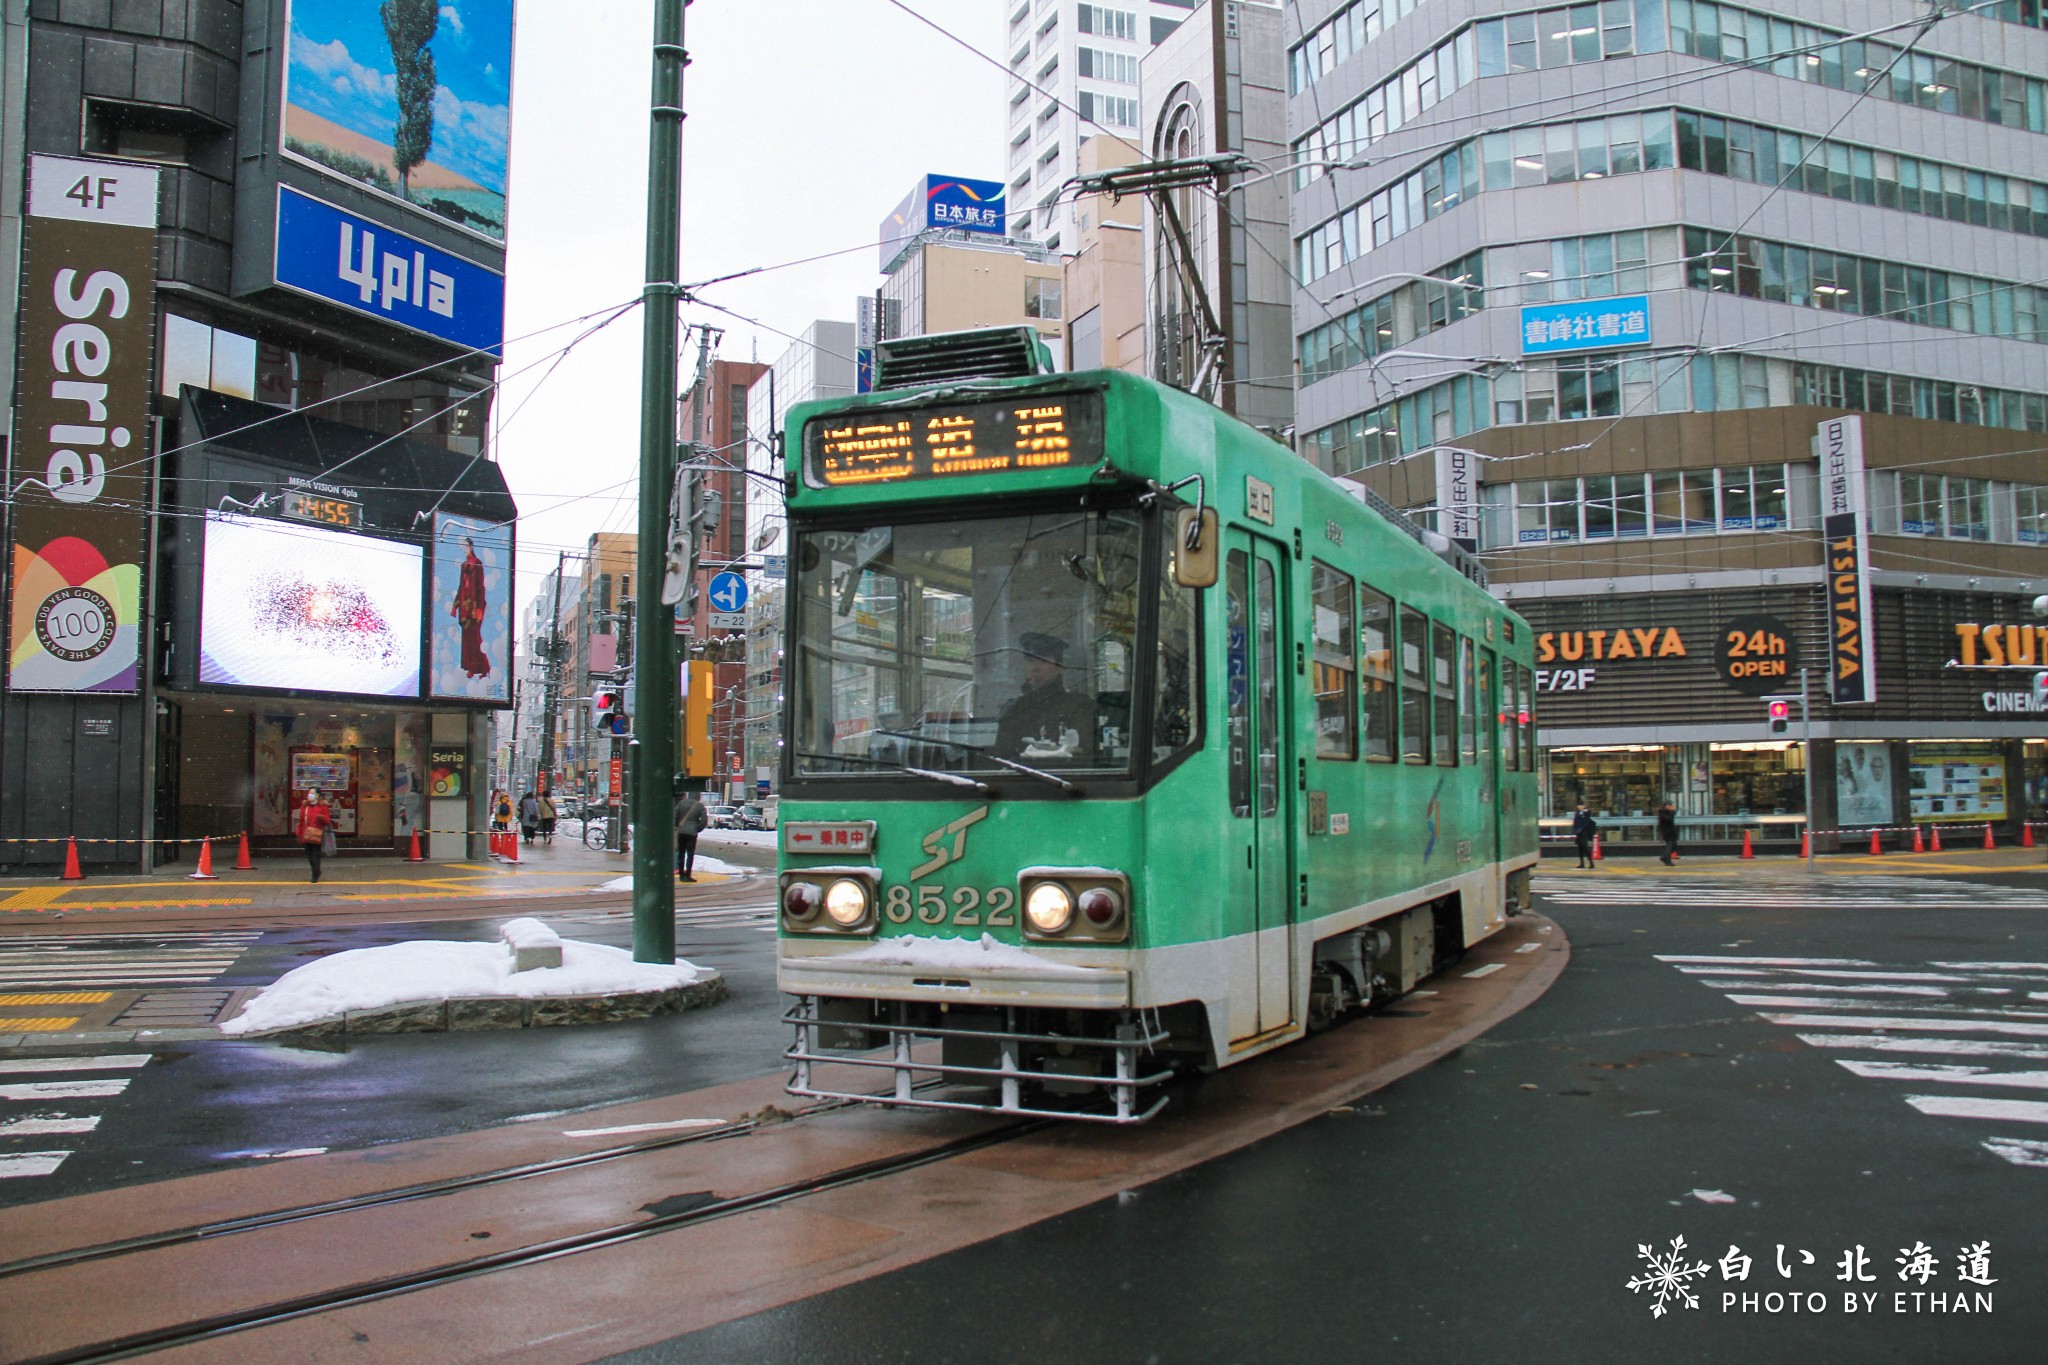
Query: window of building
[1112, 111]
[1041, 297]
[1334, 668]
[1108, 23]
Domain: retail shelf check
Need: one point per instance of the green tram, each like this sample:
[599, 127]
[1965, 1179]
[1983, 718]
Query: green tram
[1118, 741]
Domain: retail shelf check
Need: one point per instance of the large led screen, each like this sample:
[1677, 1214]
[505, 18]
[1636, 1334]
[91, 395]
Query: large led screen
[289, 606]
[411, 97]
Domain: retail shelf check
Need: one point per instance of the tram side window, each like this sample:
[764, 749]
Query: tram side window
[1376, 657]
[1510, 735]
[1483, 702]
[1176, 682]
[1444, 657]
[1238, 680]
[1525, 713]
[1468, 702]
[1414, 686]
[1334, 668]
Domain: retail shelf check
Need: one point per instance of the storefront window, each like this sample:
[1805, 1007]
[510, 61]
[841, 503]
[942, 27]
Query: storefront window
[1758, 779]
[1863, 784]
[1955, 781]
[1624, 781]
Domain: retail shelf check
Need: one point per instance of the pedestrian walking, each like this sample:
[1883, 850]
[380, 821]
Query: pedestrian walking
[316, 830]
[529, 818]
[501, 812]
[547, 819]
[691, 817]
[1584, 828]
[1667, 830]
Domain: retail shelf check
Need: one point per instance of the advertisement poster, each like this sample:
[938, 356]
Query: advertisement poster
[1966, 782]
[79, 476]
[1863, 784]
[472, 610]
[410, 97]
[286, 605]
[333, 774]
[445, 766]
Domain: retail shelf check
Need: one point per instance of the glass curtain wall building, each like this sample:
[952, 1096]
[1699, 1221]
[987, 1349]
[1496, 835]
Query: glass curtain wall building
[1627, 257]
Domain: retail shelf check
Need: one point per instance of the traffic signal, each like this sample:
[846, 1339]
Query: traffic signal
[693, 737]
[1781, 716]
[2041, 690]
[608, 711]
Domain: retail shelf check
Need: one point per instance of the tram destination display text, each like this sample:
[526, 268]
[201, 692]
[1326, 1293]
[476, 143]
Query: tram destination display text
[1045, 431]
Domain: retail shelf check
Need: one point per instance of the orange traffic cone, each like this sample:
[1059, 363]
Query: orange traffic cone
[243, 862]
[2027, 834]
[1919, 844]
[1597, 854]
[1747, 851]
[497, 844]
[412, 857]
[205, 870]
[1875, 847]
[72, 872]
[1805, 843]
[1989, 842]
[1934, 842]
[511, 846]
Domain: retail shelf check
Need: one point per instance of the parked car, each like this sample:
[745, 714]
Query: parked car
[725, 817]
[755, 816]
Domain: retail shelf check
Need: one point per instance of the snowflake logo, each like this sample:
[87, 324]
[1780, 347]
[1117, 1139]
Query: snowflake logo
[1667, 1277]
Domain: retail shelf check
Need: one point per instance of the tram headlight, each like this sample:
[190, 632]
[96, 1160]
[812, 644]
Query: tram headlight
[846, 901]
[1049, 907]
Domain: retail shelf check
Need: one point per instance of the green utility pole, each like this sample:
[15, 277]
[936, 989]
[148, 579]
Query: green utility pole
[655, 683]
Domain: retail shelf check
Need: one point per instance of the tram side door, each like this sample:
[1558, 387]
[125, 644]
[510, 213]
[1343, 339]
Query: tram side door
[1260, 730]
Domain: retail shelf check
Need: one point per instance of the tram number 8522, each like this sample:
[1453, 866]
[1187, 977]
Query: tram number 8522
[930, 904]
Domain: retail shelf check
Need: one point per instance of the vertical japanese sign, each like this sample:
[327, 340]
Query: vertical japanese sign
[1845, 531]
[80, 470]
[1457, 495]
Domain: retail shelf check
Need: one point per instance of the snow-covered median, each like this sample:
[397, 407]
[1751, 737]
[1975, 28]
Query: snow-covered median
[430, 971]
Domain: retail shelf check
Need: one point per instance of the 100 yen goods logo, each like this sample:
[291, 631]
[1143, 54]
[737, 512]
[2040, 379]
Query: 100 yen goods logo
[75, 624]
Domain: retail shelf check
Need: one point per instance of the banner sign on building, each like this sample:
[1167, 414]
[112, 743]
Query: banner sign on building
[374, 270]
[1586, 325]
[1845, 532]
[470, 620]
[79, 473]
[943, 201]
[412, 98]
[1457, 496]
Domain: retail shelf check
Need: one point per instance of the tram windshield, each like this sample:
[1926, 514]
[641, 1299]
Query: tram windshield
[984, 646]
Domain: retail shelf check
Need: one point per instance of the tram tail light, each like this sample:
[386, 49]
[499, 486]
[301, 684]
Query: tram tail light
[1075, 905]
[829, 900]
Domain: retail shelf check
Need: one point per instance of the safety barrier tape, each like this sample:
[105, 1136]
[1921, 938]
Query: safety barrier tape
[214, 838]
[1859, 831]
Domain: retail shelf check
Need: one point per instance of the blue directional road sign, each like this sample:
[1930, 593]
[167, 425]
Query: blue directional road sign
[728, 592]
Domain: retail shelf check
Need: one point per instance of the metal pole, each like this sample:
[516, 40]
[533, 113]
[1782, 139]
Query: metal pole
[655, 684]
[1806, 754]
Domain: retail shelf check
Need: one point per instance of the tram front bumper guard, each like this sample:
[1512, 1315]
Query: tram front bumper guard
[1073, 988]
[1121, 1087]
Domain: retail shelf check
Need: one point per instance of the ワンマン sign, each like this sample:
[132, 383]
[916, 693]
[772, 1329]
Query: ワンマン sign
[79, 476]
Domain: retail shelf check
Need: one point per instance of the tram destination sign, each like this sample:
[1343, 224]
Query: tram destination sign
[1007, 436]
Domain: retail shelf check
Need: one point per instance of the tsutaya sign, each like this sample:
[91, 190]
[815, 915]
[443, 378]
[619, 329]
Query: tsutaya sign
[79, 476]
[1581, 648]
[1845, 531]
[1996, 646]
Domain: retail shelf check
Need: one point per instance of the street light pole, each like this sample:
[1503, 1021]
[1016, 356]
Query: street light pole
[655, 681]
[1806, 743]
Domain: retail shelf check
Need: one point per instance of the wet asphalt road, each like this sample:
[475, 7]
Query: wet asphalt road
[1490, 1207]
[205, 1106]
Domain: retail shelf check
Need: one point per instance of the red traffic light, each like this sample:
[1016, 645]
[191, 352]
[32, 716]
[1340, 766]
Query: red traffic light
[1781, 710]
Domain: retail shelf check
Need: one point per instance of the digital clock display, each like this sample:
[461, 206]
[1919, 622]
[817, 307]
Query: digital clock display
[326, 511]
[1051, 431]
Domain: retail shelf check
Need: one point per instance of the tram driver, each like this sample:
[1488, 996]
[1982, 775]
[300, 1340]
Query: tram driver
[1046, 721]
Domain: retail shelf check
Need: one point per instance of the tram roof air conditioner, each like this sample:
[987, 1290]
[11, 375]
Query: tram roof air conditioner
[949, 357]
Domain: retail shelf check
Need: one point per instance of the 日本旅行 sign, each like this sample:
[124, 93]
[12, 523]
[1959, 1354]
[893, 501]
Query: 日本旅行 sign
[79, 473]
[1586, 325]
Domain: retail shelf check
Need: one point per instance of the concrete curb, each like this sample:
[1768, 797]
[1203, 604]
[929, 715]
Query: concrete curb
[505, 1012]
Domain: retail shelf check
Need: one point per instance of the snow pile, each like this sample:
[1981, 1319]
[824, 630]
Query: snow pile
[745, 838]
[958, 955]
[703, 864]
[429, 971]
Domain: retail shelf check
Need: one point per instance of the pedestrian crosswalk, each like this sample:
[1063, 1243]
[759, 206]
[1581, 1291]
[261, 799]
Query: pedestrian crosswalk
[758, 915]
[168, 958]
[1791, 889]
[48, 1103]
[1969, 1029]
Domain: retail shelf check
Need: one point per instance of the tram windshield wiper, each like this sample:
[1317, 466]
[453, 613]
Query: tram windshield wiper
[1068, 787]
[950, 779]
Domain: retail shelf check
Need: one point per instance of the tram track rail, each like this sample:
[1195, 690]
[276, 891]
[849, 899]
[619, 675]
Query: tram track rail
[213, 1326]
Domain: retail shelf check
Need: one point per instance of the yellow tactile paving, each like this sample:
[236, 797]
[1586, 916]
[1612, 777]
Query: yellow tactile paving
[32, 897]
[59, 998]
[39, 1024]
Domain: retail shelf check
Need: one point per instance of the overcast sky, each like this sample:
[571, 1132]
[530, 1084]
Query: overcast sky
[808, 122]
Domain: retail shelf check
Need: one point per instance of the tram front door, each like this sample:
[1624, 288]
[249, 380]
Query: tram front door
[1258, 726]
